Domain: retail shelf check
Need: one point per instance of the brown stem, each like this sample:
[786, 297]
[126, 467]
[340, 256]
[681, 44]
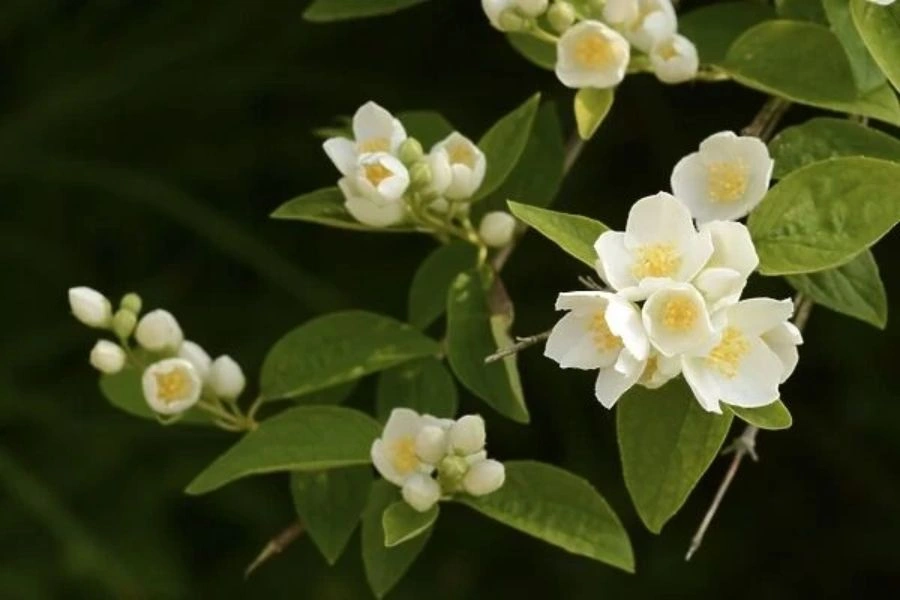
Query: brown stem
[275, 546]
[521, 344]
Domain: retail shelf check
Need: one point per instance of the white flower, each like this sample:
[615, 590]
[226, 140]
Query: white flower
[458, 167]
[171, 386]
[532, 8]
[367, 212]
[660, 370]
[484, 477]
[394, 453]
[381, 178]
[90, 306]
[467, 435]
[725, 179]
[642, 22]
[158, 331]
[783, 341]
[677, 321]
[107, 357]
[374, 130]
[733, 259]
[601, 331]
[421, 492]
[591, 55]
[196, 355]
[226, 379]
[497, 228]
[741, 369]
[674, 59]
[494, 9]
[431, 444]
[659, 245]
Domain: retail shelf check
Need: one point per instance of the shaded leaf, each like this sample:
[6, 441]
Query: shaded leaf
[423, 385]
[715, 27]
[504, 143]
[866, 73]
[879, 28]
[401, 522]
[427, 126]
[428, 292]
[338, 10]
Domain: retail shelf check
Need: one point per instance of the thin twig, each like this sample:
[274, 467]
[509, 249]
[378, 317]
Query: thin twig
[521, 344]
[766, 120]
[591, 283]
[275, 546]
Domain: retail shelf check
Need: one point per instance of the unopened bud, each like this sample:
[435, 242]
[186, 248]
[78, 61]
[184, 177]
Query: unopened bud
[467, 436]
[107, 357]
[421, 492]
[561, 16]
[123, 323]
[90, 306]
[532, 8]
[431, 444]
[510, 20]
[410, 151]
[226, 378]
[158, 331]
[196, 355]
[484, 477]
[420, 174]
[131, 302]
[497, 229]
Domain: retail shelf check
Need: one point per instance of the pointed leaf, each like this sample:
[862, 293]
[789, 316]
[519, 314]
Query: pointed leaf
[330, 504]
[573, 233]
[866, 73]
[772, 416]
[326, 207]
[307, 438]
[322, 11]
[714, 28]
[427, 126]
[423, 385]
[504, 143]
[666, 442]
[402, 523]
[428, 292]
[538, 52]
[879, 27]
[591, 107]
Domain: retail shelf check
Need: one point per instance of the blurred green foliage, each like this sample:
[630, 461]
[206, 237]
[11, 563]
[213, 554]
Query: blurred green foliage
[143, 145]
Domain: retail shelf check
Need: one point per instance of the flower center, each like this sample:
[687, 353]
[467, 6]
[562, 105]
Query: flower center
[667, 50]
[680, 313]
[378, 144]
[604, 339]
[656, 260]
[726, 181]
[461, 154]
[172, 386]
[594, 51]
[376, 173]
[649, 370]
[726, 357]
[403, 455]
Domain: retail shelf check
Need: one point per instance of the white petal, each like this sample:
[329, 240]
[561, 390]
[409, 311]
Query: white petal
[572, 346]
[372, 122]
[677, 321]
[759, 315]
[695, 253]
[342, 153]
[421, 492]
[441, 173]
[659, 219]
[368, 213]
[616, 261]
[675, 59]
[611, 384]
[609, 61]
[702, 383]
[625, 321]
[402, 422]
[720, 286]
[384, 465]
[757, 379]
[584, 303]
[659, 370]
[783, 341]
[733, 247]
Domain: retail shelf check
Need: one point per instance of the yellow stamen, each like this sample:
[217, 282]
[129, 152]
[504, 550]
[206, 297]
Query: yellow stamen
[680, 313]
[376, 173]
[595, 51]
[172, 386]
[403, 455]
[727, 181]
[667, 50]
[374, 145]
[726, 357]
[604, 339]
[461, 154]
[656, 260]
[649, 370]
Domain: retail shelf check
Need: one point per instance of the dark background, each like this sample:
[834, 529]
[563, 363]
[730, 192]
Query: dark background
[142, 146]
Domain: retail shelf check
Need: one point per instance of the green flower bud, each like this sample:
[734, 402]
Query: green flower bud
[532, 8]
[420, 174]
[451, 471]
[511, 20]
[561, 16]
[410, 151]
[131, 302]
[123, 323]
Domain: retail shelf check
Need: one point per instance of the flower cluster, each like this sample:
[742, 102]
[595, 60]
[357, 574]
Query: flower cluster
[431, 458]
[689, 280]
[389, 180]
[177, 372]
[594, 47]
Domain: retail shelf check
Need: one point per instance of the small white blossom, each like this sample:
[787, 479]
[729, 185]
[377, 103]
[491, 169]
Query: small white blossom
[677, 321]
[659, 370]
[591, 55]
[421, 492]
[467, 435]
[458, 167]
[107, 357]
[381, 178]
[741, 369]
[367, 212]
[725, 179]
[660, 245]
[90, 306]
[783, 341]
[374, 130]
[733, 259]
[196, 355]
[642, 22]
[497, 228]
[171, 386]
[159, 331]
[484, 477]
[226, 379]
[431, 444]
[394, 453]
[674, 59]
[601, 331]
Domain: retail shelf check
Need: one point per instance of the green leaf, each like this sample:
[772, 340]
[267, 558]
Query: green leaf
[427, 126]
[714, 28]
[772, 416]
[559, 508]
[801, 10]
[401, 522]
[666, 442]
[504, 143]
[423, 385]
[330, 504]
[591, 107]
[573, 233]
[428, 292]
[385, 566]
[322, 11]
[538, 52]
[879, 27]
[329, 396]
[866, 73]
[854, 289]
[824, 138]
[471, 337]
[125, 392]
[767, 58]
[326, 207]
[823, 215]
[306, 438]
[336, 348]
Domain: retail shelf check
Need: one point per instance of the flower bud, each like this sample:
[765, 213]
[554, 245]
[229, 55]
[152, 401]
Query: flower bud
[431, 444]
[532, 8]
[420, 174]
[158, 331]
[497, 229]
[197, 356]
[421, 492]
[467, 436]
[171, 386]
[440, 206]
[226, 378]
[107, 357]
[123, 323]
[561, 16]
[410, 151]
[132, 302]
[90, 306]
[511, 21]
[484, 477]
